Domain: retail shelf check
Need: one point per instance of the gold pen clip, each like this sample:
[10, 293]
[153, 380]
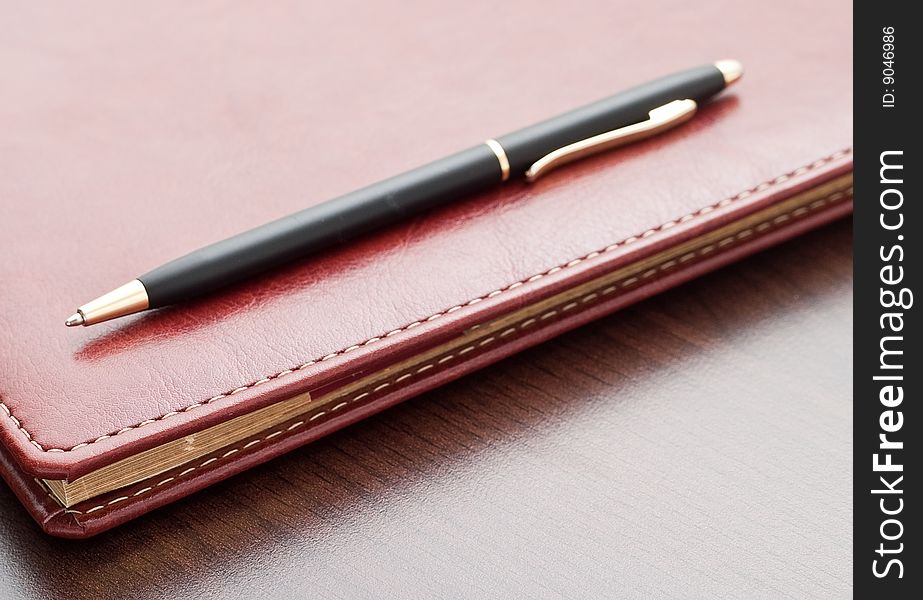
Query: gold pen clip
[660, 119]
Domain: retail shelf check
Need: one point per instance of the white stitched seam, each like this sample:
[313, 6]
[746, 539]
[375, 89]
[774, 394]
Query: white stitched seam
[702, 211]
[666, 266]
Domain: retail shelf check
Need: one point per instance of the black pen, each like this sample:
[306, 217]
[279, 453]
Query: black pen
[630, 115]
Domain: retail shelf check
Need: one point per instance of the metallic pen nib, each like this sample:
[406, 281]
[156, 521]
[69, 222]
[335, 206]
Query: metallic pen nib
[731, 69]
[125, 300]
[74, 320]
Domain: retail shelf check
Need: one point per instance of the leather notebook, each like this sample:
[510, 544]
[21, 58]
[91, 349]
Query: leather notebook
[132, 139]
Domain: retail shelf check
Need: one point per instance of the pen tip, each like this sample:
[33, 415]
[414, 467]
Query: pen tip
[731, 69]
[74, 320]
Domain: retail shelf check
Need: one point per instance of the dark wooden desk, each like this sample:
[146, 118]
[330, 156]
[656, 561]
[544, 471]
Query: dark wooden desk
[695, 446]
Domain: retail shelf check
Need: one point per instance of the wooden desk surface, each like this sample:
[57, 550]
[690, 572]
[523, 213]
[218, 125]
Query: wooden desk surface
[697, 445]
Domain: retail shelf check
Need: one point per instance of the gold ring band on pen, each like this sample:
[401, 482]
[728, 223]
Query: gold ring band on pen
[497, 149]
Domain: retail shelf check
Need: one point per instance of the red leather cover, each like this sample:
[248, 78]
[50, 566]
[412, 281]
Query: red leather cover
[134, 134]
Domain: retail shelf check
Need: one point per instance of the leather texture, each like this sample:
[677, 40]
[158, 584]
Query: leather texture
[133, 139]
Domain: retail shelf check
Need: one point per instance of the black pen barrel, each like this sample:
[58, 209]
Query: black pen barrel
[322, 226]
[395, 199]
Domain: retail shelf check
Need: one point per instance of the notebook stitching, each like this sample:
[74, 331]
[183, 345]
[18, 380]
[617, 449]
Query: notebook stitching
[523, 325]
[627, 241]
